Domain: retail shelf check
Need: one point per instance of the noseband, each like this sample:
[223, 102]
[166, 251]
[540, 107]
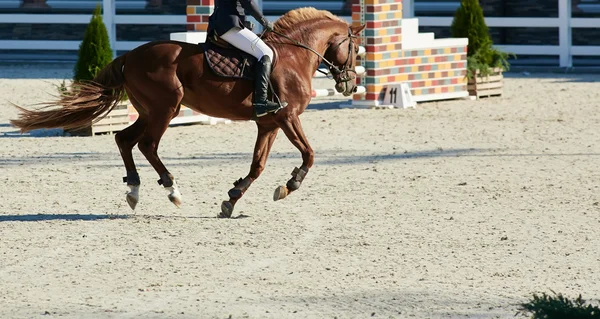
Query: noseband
[339, 75]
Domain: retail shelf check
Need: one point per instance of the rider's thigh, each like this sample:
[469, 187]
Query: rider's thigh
[247, 41]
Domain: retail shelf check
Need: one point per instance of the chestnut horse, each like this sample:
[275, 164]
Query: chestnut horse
[160, 76]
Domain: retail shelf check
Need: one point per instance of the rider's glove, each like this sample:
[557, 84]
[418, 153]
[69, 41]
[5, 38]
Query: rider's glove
[268, 25]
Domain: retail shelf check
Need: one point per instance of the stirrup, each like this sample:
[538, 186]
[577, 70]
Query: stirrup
[263, 109]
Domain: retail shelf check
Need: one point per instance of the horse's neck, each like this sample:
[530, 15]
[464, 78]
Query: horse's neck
[313, 37]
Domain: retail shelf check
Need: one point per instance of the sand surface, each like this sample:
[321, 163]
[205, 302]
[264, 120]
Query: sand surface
[455, 209]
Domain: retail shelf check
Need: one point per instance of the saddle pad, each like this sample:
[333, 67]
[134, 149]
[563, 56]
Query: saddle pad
[229, 62]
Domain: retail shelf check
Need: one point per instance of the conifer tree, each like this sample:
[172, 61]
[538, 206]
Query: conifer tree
[469, 22]
[94, 51]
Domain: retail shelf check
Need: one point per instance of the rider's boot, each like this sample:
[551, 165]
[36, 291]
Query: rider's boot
[262, 105]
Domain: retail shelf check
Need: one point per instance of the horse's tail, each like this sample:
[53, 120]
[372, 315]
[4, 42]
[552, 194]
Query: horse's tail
[87, 102]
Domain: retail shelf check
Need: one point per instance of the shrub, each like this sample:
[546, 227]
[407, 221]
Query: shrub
[559, 307]
[94, 51]
[469, 22]
[486, 59]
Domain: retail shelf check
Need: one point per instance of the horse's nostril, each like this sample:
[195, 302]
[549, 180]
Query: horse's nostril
[355, 89]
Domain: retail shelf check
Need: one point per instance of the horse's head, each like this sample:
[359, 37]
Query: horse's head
[342, 53]
[320, 30]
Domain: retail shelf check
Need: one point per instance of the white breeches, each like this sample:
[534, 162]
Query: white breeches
[247, 41]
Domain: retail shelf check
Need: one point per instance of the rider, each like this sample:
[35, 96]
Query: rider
[228, 22]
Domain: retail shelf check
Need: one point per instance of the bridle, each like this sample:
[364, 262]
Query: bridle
[343, 74]
[339, 75]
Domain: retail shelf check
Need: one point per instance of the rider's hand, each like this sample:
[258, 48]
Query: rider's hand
[268, 25]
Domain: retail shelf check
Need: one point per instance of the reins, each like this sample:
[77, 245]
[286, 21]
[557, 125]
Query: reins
[329, 64]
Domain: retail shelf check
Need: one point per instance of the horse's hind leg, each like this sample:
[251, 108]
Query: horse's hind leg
[158, 122]
[290, 125]
[264, 141]
[126, 140]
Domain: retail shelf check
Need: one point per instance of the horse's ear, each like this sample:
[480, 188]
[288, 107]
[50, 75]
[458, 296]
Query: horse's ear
[357, 29]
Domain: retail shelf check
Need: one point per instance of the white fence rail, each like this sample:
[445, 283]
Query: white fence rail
[110, 22]
[564, 22]
[565, 49]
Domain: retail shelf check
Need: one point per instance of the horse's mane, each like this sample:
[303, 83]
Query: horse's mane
[290, 20]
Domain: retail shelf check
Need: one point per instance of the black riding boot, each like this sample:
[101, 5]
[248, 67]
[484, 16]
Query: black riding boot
[262, 106]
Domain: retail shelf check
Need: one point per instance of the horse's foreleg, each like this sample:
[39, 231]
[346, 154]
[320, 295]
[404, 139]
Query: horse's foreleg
[291, 126]
[264, 141]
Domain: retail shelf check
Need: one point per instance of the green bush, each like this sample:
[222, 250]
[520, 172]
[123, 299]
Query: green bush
[94, 51]
[469, 22]
[559, 307]
[486, 59]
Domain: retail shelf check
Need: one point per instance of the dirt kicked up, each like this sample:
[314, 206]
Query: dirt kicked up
[455, 209]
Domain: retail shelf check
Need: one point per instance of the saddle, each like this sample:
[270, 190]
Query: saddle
[228, 61]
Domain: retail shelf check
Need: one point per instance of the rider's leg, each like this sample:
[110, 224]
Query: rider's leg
[247, 41]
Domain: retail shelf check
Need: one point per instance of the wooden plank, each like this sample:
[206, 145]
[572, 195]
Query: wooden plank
[119, 107]
[483, 89]
[490, 85]
[115, 121]
[494, 70]
[116, 116]
[484, 86]
[491, 78]
[108, 128]
[112, 120]
[118, 112]
[487, 93]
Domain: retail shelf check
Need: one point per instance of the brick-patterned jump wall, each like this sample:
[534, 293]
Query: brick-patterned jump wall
[434, 71]
[382, 39]
[197, 12]
[397, 53]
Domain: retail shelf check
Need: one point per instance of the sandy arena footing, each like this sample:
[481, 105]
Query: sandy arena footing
[455, 209]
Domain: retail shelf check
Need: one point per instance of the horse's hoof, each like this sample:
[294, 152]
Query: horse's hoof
[175, 196]
[226, 209]
[133, 196]
[132, 200]
[175, 200]
[281, 192]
